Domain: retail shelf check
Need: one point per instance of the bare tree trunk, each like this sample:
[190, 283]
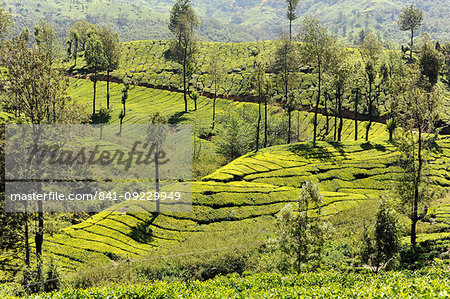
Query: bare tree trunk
[289, 126]
[370, 112]
[327, 128]
[356, 114]
[214, 110]
[95, 90]
[265, 122]
[158, 208]
[412, 43]
[107, 89]
[258, 125]
[27, 241]
[414, 216]
[184, 86]
[317, 107]
[341, 120]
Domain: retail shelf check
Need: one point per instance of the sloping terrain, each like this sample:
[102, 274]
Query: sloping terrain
[142, 101]
[232, 21]
[247, 194]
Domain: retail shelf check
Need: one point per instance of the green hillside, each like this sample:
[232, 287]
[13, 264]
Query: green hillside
[245, 195]
[144, 61]
[142, 101]
[231, 21]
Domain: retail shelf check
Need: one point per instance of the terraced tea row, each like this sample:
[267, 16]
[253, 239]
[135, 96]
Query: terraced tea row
[248, 192]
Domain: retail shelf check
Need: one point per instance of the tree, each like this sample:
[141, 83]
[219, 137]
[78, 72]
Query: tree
[96, 61]
[417, 113]
[430, 62]
[316, 51]
[371, 73]
[359, 79]
[102, 117]
[182, 23]
[84, 30]
[194, 96]
[39, 92]
[5, 21]
[290, 105]
[410, 19]
[341, 71]
[233, 138]
[47, 39]
[381, 246]
[25, 34]
[217, 74]
[111, 50]
[73, 45]
[291, 15]
[123, 113]
[156, 134]
[371, 47]
[285, 63]
[300, 235]
[260, 89]
[391, 125]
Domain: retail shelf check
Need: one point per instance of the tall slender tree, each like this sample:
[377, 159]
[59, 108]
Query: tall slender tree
[417, 113]
[260, 89]
[216, 72]
[47, 40]
[183, 49]
[111, 50]
[123, 113]
[96, 61]
[341, 71]
[316, 51]
[410, 19]
[291, 15]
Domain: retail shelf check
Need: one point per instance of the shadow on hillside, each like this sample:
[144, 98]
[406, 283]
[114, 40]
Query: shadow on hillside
[338, 147]
[308, 150]
[177, 117]
[142, 233]
[369, 146]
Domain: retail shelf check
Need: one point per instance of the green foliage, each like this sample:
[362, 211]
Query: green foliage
[47, 39]
[431, 62]
[431, 282]
[410, 19]
[95, 54]
[234, 138]
[380, 247]
[300, 236]
[5, 21]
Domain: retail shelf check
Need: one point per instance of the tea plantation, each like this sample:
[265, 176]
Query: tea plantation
[142, 101]
[427, 283]
[245, 195]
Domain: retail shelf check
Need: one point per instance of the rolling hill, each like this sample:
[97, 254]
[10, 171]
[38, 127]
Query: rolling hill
[238, 200]
[245, 196]
[231, 21]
